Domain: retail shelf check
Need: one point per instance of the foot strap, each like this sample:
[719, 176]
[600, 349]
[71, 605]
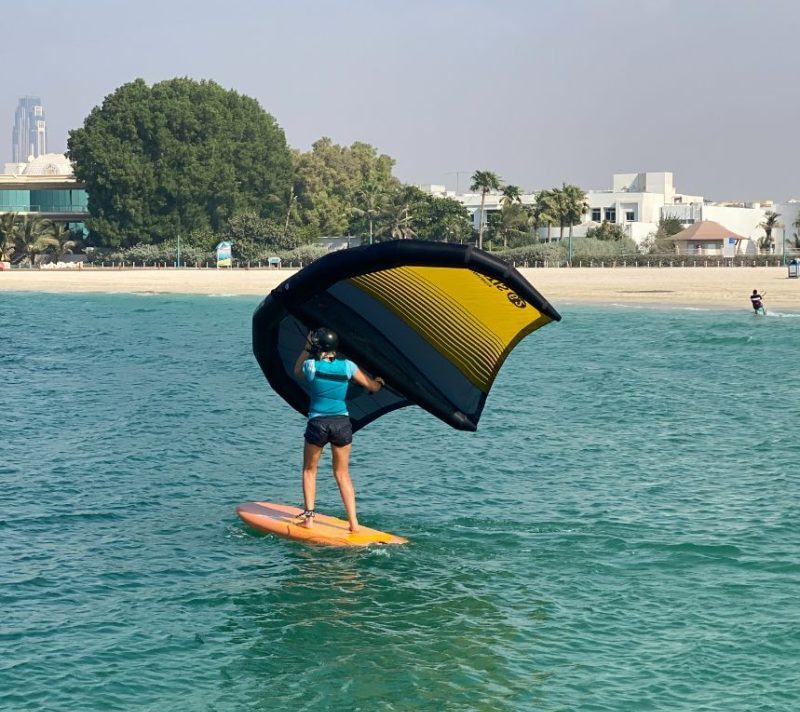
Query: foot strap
[307, 514]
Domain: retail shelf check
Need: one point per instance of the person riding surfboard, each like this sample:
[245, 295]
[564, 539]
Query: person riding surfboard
[328, 419]
[756, 300]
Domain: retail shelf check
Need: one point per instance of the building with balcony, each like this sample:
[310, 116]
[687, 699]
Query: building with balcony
[46, 187]
[638, 201]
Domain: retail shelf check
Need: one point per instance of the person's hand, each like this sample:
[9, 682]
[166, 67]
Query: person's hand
[379, 380]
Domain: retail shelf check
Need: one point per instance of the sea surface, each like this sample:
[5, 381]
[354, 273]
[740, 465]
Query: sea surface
[622, 533]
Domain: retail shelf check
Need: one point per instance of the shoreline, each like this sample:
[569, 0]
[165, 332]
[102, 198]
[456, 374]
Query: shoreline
[698, 287]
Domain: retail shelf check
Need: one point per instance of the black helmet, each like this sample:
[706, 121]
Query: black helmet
[324, 339]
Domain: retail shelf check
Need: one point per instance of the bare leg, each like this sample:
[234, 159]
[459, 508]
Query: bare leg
[311, 454]
[341, 471]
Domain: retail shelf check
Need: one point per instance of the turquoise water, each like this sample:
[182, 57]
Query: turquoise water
[621, 534]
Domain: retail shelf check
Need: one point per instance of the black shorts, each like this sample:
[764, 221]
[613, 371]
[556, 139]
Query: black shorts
[334, 429]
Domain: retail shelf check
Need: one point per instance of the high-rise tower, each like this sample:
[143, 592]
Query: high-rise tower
[29, 137]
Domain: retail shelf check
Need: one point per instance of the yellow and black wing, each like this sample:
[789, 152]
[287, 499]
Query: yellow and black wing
[435, 320]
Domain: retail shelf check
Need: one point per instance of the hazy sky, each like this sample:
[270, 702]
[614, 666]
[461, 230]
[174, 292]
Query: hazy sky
[539, 92]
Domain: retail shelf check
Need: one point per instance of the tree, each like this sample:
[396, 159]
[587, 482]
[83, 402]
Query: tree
[669, 226]
[485, 182]
[660, 242]
[252, 235]
[511, 226]
[400, 213]
[511, 221]
[9, 226]
[63, 240]
[577, 206]
[369, 205]
[178, 156]
[34, 236]
[769, 224]
[545, 211]
[793, 242]
[442, 219]
[607, 231]
[511, 194]
[329, 178]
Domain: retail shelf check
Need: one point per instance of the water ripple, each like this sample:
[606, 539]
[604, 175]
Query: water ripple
[621, 533]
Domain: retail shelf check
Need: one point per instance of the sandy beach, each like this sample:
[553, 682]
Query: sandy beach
[718, 287]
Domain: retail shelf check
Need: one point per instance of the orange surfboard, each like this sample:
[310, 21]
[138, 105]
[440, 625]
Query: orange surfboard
[283, 520]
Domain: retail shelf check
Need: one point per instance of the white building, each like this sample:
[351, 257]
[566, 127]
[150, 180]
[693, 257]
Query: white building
[788, 231]
[637, 201]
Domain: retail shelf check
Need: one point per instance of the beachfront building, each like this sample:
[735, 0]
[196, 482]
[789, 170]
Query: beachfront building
[638, 201]
[743, 219]
[29, 135]
[46, 187]
[635, 201]
[708, 238]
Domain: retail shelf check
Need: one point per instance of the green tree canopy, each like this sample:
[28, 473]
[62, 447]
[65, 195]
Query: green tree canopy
[441, 219]
[669, 226]
[660, 242]
[9, 229]
[484, 182]
[607, 231]
[329, 184]
[179, 156]
[545, 211]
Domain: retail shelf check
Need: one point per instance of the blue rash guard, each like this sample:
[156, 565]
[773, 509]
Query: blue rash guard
[328, 381]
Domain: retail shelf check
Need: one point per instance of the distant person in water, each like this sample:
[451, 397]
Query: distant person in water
[328, 420]
[756, 300]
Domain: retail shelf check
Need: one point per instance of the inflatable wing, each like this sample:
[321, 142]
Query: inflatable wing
[435, 320]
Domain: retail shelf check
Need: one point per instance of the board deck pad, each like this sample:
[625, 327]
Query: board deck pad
[283, 520]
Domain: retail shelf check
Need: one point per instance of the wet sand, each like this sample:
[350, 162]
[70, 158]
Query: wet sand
[718, 287]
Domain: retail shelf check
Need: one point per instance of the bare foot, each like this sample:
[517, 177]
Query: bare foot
[354, 528]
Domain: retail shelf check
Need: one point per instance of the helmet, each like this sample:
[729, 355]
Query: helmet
[324, 339]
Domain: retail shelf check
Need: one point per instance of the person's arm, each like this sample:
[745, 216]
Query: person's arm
[302, 358]
[373, 385]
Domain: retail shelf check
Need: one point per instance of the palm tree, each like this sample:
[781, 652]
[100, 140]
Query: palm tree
[512, 215]
[577, 203]
[398, 214]
[9, 226]
[577, 207]
[511, 194]
[65, 241]
[370, 198]
[34, 237]
[769, 224]
[561, 208]
[794, 242]
[545, 211]
[485, 182]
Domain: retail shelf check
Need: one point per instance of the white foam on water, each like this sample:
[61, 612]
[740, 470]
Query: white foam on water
[783, 315]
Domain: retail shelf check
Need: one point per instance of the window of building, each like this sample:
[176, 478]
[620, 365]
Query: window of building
[597, 214]
[611, 215]
[630, 216]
